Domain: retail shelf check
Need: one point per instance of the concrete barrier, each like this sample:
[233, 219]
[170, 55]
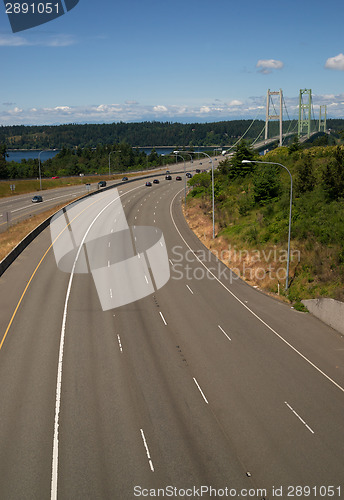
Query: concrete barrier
[330, 311]
[7, 261]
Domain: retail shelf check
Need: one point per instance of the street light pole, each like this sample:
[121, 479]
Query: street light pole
[290, 208]
[212, 184]
[180, 156]
[212, 188]
[109, 163]
[116, 151]
[39, 165]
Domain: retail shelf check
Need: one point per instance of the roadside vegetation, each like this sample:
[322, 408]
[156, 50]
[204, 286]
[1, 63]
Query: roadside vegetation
[82, 161]
[252, 218]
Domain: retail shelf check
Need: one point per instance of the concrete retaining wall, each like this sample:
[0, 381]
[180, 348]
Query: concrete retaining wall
[329, 311]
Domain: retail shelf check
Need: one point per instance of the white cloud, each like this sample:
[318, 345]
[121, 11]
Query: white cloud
[336, 62]
[132, 111]
[160, 109]
[12, 41]
[235, 102]
[268, 65]
[62, 108]
[61, 40]
[205, 109]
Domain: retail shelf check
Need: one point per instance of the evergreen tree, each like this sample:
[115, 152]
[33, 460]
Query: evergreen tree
[233, 167]
[305, 178]
[333, 176]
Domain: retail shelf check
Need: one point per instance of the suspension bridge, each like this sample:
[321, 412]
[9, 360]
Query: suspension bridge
[306, 126]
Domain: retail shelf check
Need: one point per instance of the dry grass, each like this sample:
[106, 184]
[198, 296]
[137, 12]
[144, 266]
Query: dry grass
[14, 234]
[264, 269]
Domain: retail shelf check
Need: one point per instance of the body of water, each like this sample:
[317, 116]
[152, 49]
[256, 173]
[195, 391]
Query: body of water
[19, 155]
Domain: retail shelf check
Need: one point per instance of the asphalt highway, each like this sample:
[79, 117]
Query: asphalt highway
[20, 207]
[204, 383]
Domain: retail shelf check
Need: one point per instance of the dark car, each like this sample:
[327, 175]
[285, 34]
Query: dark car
[102, 184]
[188, 175]
[168, 172]
[156, 181]
[197, 170]
[148, 183]
[178, 178]
[168, 177]
[37, 199]
[124, 179]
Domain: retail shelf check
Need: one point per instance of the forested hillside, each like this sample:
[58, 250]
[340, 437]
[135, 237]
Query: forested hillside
[140, 134]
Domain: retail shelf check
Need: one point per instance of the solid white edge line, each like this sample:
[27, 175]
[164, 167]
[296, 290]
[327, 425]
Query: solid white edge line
[250, 310]
[55, 455]
[222, 330]
[298, 416]
[200, 390]
[147, 450]
[162, 317]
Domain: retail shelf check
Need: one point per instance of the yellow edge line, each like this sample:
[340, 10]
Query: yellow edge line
[33, 274]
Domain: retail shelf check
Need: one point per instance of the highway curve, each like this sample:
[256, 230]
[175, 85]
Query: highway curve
[204, 383]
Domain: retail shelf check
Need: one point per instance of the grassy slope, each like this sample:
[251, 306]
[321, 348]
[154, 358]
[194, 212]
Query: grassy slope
[252, 237]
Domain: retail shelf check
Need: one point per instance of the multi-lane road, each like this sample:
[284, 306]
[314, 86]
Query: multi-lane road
[204, 383]
[20, 207]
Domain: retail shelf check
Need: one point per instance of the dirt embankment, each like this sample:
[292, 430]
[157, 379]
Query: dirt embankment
[263, 268]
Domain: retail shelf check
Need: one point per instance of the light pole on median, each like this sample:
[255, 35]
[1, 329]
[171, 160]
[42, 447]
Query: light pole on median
[39, 165]
[212, 186]
[290, 207]
[116, 151]
[212, 189]
[180, 156]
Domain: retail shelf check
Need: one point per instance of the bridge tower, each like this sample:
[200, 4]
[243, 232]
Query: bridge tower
[275, 116]
[305, 110]
[322, 118]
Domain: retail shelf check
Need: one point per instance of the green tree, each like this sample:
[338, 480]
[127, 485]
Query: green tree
[233, 167]
[266, 184]
[295, 145]
[3, 162]
[333, 176]
[305, 178]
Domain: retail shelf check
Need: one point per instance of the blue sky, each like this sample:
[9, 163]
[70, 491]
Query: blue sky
[186, 60]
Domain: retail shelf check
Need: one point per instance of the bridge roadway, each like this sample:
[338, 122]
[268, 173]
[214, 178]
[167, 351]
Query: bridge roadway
[205, 382]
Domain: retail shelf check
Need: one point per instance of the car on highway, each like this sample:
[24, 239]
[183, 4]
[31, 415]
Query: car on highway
[124, 179]
[197, 171]
[188, 175]
[102, 184]
[168, 177]
[148, 183]
[178, 178]
[156, 181]
[55, 177]
[37, 199]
